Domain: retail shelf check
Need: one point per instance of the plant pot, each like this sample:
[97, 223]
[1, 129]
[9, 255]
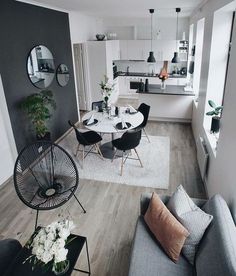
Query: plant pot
[215, 124]
[46, 137]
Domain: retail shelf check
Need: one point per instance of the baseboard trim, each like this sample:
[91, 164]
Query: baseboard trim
[173, 120]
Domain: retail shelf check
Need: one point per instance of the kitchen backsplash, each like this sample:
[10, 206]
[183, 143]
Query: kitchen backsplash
[145, 67]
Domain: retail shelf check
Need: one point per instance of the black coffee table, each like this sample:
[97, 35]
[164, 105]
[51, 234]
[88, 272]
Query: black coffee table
[74, 249]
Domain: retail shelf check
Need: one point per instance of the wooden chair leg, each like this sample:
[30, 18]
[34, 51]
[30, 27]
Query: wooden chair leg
[122, 163]
[99, 151]
[138, 158]
[146, 134]
[114, 156]
[77, 150]
[83, 157]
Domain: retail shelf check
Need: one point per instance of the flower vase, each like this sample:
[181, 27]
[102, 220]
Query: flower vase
[64, 270]
[163, 85]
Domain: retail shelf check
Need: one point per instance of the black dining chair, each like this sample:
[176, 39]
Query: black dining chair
[88, 138]
[98, 104]
[128, 141]
[144, 109]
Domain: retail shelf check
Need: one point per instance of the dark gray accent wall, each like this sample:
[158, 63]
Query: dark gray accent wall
[22, 26]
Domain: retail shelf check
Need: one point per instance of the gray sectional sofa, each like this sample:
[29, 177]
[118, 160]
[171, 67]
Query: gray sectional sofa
[216, 255]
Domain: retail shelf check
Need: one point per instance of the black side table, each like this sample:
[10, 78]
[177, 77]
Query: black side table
[74, 249]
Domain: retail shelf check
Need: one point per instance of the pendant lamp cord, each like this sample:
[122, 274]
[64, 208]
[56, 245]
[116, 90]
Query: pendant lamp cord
[177, 28]
[151, 32]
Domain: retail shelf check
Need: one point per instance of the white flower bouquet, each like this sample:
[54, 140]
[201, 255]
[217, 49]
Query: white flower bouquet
[48, 246]
[107, 88]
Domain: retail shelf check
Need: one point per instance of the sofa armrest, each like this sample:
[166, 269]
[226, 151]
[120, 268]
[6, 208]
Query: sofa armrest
[232, 208]
[9, 248]
[145, 199]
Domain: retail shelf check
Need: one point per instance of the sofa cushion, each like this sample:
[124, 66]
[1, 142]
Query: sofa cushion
[167, 229]
[9, 248]
[145, 199]
[217, 251]
[149, 259]
[192, 218]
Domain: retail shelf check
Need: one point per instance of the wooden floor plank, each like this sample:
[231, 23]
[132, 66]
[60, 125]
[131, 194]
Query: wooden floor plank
[112, 209]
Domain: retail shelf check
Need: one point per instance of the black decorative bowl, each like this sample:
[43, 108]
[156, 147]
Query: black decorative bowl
[100, 37]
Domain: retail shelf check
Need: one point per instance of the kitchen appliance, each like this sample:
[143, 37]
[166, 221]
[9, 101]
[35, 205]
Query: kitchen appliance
[114, 68]
[134, 85]
[183, 71]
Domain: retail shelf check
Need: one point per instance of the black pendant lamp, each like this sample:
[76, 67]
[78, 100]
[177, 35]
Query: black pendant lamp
[151, 57]
[176, 59]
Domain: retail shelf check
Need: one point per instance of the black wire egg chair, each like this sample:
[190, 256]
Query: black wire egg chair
[45, 176]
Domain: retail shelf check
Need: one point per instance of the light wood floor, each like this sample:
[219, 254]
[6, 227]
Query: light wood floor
[112, 209]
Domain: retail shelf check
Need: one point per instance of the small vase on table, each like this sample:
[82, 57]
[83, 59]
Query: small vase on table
[163, 85]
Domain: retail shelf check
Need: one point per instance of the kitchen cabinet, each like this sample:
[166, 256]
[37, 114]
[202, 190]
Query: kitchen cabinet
[169, 107]
[115, 93]
[136, 49]
[99, 57]
[139, 49]
[123, 85]
[172, 81]
[123, 49]
[164, 49]
[115, 49]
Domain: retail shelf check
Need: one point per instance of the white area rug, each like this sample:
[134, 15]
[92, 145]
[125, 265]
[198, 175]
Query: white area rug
[154, 156]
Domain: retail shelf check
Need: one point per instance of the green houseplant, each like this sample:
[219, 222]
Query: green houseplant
[37, 106]
[216, 115]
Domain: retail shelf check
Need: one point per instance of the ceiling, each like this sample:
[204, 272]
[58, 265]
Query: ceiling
[124, 8]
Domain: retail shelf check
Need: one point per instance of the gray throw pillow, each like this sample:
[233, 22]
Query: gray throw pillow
[192, 218]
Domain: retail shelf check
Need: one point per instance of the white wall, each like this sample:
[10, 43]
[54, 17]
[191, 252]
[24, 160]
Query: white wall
[83, 27]
[139, 28]
[8, 152]
[221, 171]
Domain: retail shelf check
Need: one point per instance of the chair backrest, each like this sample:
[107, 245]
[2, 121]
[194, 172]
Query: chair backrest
[131, 139]
[78, 134]
[144, 109]
[98, 104]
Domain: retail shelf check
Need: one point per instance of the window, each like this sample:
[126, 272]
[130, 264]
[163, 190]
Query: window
[198, 56]
[219, 57]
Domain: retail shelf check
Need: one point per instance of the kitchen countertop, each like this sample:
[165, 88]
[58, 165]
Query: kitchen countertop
[147, 75]
[170, 90]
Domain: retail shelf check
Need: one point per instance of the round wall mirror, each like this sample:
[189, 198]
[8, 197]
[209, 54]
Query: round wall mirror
[40, 66]
[63, 75]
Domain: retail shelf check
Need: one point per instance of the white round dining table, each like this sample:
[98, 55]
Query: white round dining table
[107, 124]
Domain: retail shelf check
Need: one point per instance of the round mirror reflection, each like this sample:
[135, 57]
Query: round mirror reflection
[63, 75]
[40, 66]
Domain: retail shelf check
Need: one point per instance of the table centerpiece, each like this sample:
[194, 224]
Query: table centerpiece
[106, 90]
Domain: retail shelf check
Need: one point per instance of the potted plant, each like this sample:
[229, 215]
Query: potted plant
[216, 113]
[107, 89]
[37, 106]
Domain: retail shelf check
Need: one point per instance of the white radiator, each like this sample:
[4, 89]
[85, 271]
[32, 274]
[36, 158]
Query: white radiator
[202, 157]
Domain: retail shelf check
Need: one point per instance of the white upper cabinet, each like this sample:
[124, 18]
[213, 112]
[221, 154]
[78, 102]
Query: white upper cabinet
[124, 49]
[136, 49]
[115, 49]
[139, 49]
[164, 49]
